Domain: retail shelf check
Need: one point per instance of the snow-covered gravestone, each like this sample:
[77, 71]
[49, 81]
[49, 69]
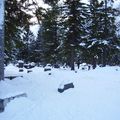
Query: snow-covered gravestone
[1, 39]
[47, 67]
[65, 86]
[1, 105]
[20, 64]
[6, 99]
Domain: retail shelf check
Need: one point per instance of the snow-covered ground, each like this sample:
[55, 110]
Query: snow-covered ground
[96, 95]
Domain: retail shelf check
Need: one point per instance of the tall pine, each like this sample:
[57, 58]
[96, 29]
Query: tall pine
[16, 20]
[49, 34]
[102, 35]
[75, 30]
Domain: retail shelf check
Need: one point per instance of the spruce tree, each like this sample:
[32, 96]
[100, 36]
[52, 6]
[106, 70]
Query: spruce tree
[49, 35]
[94, 29]
[16, 20]
[109, 32]
[75, 29]
[102, 38]
[38, 46]
[26, 51]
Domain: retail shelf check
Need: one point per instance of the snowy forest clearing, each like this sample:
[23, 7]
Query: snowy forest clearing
[69, 33]
[96, 95]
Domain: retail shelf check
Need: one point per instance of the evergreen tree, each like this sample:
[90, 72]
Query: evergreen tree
[75, 30]
[51, 2]
[38, 48]
[102, 40]
[95, 30]
[26, 51]
[109, 32]
[49, 35]
[16, 20]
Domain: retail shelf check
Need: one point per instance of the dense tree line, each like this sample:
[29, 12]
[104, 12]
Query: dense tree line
[17, 21]
[71, 32]
[85, 33]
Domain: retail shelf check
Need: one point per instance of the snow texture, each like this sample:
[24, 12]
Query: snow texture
[96, 95]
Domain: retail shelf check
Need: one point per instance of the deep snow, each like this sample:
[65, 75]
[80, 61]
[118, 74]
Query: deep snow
[96, 95]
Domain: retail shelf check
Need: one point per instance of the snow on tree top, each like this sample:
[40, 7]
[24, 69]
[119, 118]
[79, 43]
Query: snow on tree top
[82, 44]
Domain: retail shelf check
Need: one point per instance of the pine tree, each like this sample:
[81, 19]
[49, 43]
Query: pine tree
[75, 30]
[49, 35]
[26, 51]
[51, 2]
[16, 20]
[102, 40]
[94, 29]
[109, 29]
[39, 45]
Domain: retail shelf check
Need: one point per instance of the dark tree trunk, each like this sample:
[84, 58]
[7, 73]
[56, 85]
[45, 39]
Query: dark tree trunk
[72, 59]
[1, 59]
[104, 57]
[94, 63]
[1, 40]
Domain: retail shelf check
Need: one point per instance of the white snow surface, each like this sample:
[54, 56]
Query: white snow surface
[96, 95]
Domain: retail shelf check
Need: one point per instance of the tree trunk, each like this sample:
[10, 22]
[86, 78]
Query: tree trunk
[1, 59]
[1, 40]
[104, 57]
[72, 59]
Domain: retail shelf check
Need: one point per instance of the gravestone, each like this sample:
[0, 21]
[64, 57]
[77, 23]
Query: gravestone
[56, 66]
[65, 87]
[20, 64]
[1, 105]
[4, 101]
[49, 73]
[26, 66]
[47, 69]
[21, 70]
[28, 71]
[12, 77]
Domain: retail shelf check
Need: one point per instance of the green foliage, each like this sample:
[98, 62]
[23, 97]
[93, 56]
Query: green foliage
[71, 32]
[102, 31]
[51, 2]
[16, 20]
[26, 50]
[75, 29]
[49, 36]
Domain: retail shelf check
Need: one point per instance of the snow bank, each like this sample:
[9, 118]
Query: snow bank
[96, 95]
